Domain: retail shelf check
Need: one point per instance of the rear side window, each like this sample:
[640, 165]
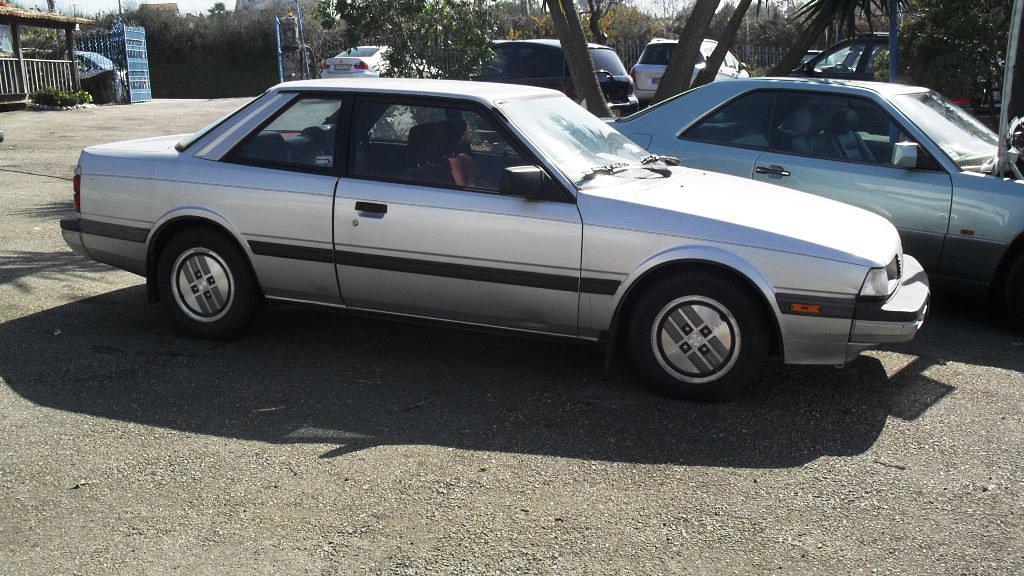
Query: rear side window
[522, 61]
[658, 54]
[303, 136]
[744, 122]
[606, 59]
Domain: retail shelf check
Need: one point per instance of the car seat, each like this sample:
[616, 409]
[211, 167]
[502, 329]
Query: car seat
[849, 142]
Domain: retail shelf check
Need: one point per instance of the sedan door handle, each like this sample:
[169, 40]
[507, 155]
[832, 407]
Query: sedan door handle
[371, 208]
[774, 170]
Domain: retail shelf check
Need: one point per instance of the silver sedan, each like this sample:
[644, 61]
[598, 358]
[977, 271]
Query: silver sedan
[904, 152]
[499, 206]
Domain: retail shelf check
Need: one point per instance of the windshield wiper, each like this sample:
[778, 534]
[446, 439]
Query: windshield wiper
[612, 168]
[667, 160]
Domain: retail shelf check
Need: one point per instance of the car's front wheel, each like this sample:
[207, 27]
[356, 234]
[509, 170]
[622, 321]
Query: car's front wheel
[206, 284]
[699, 336]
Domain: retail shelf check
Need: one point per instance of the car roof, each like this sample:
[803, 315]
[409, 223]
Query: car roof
[671, 41]
[882, 88]
[484, 92]
[548, 42]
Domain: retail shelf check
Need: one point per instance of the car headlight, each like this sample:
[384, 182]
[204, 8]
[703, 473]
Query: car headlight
[882, 282]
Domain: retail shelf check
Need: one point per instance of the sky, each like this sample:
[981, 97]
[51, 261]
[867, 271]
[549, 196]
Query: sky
[91, 7]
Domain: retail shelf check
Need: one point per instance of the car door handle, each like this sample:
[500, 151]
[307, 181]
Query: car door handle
[773, 170]
[371, 208]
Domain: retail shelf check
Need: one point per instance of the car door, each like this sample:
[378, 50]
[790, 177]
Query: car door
[727, 140]
[841, 147]
[420, 228]
[286, 167]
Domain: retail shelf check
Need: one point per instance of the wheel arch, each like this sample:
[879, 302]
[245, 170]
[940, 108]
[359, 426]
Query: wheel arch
[187, 219]
[997, 287]
[715, 261]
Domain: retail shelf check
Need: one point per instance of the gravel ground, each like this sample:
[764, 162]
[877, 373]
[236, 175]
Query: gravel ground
[328, 444]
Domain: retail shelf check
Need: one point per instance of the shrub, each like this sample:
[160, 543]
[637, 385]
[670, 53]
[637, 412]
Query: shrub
[56, 97]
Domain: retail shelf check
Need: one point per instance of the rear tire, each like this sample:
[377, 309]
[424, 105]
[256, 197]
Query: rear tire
[1015, 292]
[206, 284]
[699, 336]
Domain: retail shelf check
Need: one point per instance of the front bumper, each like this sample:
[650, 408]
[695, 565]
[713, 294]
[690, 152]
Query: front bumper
[894, 320]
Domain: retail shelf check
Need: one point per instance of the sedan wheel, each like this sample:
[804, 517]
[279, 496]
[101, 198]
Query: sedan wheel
[205, 284]
[699, 336]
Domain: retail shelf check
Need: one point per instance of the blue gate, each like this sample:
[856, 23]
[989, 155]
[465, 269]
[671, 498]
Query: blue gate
[125, 46]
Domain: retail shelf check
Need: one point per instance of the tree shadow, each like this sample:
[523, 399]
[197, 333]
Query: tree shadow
[52, 210]
[305, 376]
[63, 264]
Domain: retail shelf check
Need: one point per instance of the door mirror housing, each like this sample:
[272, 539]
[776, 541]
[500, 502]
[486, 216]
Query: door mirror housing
[523, 181]
[742, 66]
[904, 154]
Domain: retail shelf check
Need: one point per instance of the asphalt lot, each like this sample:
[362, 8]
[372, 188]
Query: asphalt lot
[328, 444]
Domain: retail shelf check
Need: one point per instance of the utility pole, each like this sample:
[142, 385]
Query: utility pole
[894, 40]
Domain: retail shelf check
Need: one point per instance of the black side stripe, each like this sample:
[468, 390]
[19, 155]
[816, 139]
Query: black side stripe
[442, 269]
[293, 252]
[830, 307]
[105, 229]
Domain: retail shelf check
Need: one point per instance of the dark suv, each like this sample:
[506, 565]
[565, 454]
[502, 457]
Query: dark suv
[852, 59]
[542, 63]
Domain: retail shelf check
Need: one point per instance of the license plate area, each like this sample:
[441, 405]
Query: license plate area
[342, 66]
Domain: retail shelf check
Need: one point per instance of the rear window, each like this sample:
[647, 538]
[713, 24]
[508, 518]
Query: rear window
[657, 54]
[607, 59]
[522, 61]
[360, 52]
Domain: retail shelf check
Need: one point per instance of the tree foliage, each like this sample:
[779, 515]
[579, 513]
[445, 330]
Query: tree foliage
[955, 47]
[427, 38]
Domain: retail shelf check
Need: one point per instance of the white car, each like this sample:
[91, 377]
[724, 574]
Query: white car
[492, 205]
[359, 61]
[654, 59]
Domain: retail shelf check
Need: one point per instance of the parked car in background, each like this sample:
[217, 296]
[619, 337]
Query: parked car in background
[809, 55]
[542, 63]
[492, 205]
[654, 59]
[852, 59]
[903, 152]
[358, 61]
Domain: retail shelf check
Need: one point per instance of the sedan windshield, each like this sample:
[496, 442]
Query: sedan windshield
[965, 140]
[575, 140]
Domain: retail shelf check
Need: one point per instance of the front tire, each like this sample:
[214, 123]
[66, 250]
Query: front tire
[699, 336]
[206, 285]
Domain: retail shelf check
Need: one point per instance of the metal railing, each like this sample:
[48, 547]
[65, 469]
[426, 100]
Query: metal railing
[38, 74]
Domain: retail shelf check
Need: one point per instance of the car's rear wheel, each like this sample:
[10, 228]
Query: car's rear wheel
[1015, 292]
[699, 336]
[206, 285]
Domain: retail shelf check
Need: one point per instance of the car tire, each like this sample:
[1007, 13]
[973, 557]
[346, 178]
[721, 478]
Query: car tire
[699, 336]
[206, 284]
[1015, 293]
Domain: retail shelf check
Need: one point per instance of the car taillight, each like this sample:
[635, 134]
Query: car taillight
[361, 65]
[325, 66]
[76, 184]
[632, 74]
[962, 101]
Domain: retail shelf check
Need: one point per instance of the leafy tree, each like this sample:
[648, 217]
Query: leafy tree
[598, 10]
[427, 38]
[217, 9]
[955, 47]
[679, 71]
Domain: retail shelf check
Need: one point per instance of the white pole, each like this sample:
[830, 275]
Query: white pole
[1008, 74]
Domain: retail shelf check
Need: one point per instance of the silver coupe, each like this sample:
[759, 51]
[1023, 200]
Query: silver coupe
[499, 206]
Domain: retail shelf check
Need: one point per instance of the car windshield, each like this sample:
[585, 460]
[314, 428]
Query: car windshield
[576, 141]
[965, 140]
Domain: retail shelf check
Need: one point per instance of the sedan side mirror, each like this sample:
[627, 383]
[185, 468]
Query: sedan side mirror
[524, 181]
[904, 154]
[742, 66]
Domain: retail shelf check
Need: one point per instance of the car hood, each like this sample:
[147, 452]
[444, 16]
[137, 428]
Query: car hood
[721, 208]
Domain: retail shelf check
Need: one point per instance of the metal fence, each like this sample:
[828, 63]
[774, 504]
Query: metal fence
[38, 74]
[125, 46]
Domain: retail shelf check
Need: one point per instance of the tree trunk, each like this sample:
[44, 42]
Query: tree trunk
[724, 42]
[577, 56]
[596, 13]
[679, 71]
[810, 34]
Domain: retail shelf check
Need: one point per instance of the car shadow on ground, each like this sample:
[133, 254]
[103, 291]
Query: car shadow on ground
[15, 266]
[306, 375]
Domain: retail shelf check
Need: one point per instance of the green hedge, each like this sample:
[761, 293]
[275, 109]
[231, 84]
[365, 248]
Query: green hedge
[56, 97]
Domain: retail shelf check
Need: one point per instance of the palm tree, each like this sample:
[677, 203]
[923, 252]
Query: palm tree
[679, 71]
[714, 62]
[818, 14]
[577, 56]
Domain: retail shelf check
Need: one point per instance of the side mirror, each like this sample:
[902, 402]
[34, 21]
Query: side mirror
[523, 181]
[742, 66]
[904, 154]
